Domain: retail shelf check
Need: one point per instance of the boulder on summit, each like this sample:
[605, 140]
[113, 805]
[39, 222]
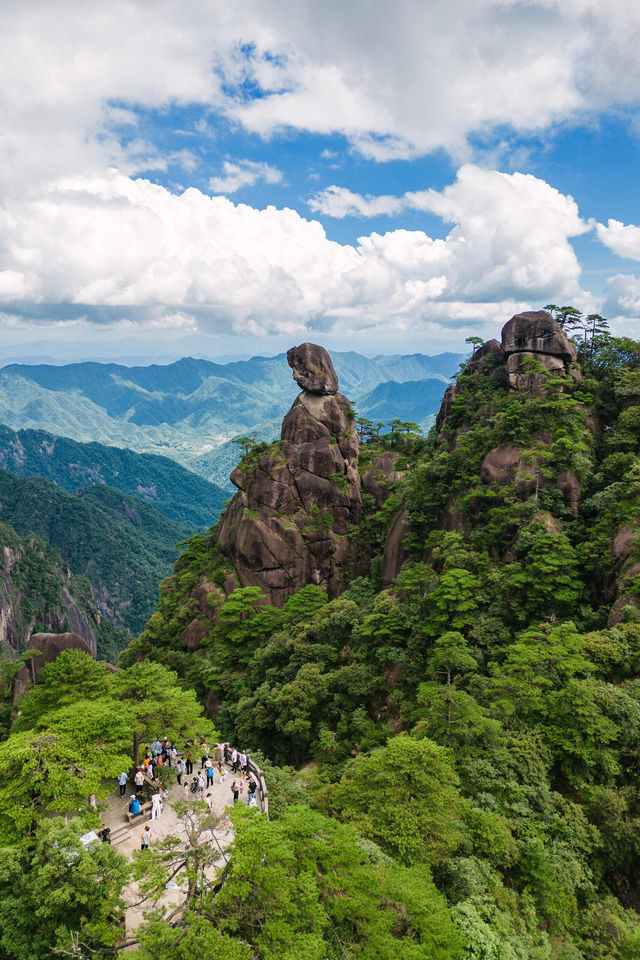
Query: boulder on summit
[312, 369]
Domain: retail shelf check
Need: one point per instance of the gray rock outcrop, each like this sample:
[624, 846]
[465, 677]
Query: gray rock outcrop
[47, 647]
[288, 524]
[312, 369]
[530, 336]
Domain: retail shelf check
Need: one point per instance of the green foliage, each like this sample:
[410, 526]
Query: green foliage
[405, 797]
[475, 718]
[178, 494]
[79, 727]
[59, 898]
[121, 545]
[306, 886]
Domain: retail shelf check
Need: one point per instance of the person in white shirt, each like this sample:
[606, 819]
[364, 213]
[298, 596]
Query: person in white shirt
[156, 805]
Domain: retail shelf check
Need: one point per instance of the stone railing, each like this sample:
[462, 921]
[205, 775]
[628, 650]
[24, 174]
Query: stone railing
[262, 791]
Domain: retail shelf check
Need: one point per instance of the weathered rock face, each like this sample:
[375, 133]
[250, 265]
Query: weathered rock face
[394, 552]
[382, 473]
[624, 567]
[506, 464]
[535, 331]
[535, 335]
[59, 614]
[530, 336]
[49, 647]
[312, 369]
[288, 524]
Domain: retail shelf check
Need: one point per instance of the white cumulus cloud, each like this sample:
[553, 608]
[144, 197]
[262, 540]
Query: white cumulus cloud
[397, 79]
[243, 173]
[622, 239]
[126, 246]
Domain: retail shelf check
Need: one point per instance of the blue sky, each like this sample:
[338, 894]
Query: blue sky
[387, 177]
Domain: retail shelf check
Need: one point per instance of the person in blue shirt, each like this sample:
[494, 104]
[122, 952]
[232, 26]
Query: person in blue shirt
[122, 783]
[134, 804]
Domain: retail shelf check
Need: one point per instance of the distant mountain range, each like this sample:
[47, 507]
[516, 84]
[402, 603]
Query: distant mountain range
[190, 409]
[176, 492]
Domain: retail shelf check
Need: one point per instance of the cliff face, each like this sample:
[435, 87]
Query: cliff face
[38, 591]
[288, 525]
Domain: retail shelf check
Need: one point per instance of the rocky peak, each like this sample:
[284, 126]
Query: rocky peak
[288, 524]
[312, 369]
[535, 331]
[533, 334]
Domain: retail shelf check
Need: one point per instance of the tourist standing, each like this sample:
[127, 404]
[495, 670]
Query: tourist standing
[122, 783]
[235, 790]
[145, 838]
[251, 790]
[209, 771]
[189, 762]
[156, 805]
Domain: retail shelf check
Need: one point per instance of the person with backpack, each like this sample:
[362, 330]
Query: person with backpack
[145, 838]
[189, 762]
[209, 772]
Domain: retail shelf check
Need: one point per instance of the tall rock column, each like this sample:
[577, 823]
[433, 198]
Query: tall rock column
[288, 525]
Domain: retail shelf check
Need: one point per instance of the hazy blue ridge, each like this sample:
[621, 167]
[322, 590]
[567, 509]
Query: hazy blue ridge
[402, 401]
[189, 410]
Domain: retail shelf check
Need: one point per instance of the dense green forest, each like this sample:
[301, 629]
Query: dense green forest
[120, 544]
[453, 759]
[177, 493]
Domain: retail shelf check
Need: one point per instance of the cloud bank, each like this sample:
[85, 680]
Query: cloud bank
[80, 226]
[122, 243]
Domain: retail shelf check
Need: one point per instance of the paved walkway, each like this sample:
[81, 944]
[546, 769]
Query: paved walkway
[125, 836]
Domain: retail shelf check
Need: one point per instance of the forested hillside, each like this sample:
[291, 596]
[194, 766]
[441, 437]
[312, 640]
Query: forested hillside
[177, 493]
[432, 645]
[472, 704]
[38, 592]
[122, 546]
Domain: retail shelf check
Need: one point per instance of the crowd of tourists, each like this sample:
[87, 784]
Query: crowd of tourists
[196, 785]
